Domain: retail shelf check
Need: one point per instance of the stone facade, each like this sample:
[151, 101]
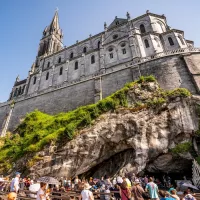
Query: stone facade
[63, 78]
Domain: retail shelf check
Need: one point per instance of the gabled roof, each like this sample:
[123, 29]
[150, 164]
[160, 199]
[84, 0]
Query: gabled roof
[20, 82]
[117, 21]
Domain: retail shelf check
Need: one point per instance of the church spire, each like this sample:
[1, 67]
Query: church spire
[55, 22]
[52, 37]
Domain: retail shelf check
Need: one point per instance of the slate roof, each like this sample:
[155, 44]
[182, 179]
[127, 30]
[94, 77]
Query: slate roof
[20, 82]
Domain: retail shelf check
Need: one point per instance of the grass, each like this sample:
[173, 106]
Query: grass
[39, 129]
[182, 148]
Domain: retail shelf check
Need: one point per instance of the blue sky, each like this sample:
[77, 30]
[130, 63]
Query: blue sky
[23, 21]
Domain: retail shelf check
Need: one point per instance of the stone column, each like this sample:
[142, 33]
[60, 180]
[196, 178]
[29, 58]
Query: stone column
[67, 70]
[83, 66]
[139, 42]
[97, 89]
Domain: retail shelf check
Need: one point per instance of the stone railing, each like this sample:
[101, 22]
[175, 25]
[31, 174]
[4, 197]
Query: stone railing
[165, 53]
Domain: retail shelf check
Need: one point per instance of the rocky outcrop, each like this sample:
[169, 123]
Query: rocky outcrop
[126, 140]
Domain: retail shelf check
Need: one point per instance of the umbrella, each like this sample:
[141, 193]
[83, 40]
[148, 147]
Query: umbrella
[49, 180]
[34, 187]
[190, 186]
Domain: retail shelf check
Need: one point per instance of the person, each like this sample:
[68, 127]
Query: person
[56, 191]
[188, 196]
[12, 196]
[119, 180]
[41, 194]
[152, 189]
[164, 195]
[171, 187]
[116, 189]
[86, 194]
[137, 190]
[14, 186]
[125, 192]
[174, 195]
[104, 193]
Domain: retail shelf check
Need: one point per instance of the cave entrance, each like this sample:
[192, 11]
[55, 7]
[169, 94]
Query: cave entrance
[120, 163]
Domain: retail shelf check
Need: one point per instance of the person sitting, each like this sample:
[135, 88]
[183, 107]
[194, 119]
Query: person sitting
[174, 195]
[164, 195]
[188, 196]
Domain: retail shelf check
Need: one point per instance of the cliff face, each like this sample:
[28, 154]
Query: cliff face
[126, 140]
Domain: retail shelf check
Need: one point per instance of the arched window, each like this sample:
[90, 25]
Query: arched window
[76, 65]
[71, 55]
[47, 76]
[146, 43]
[84, 49]
[117, 22]
[48, 64]
[23, 89]
[20, 90]
[61, 71]
[16, 91]
[111, 55]
[124, 51]
[59, 60]
[181, 39]
[142, 28]
[99, 44]
[92, 59]
[171, 42]
[34, 80]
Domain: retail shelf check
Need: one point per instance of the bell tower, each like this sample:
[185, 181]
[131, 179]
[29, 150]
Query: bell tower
[52, 38]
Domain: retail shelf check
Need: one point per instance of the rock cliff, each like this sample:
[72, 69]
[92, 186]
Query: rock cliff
[128, 140]
[141, 136]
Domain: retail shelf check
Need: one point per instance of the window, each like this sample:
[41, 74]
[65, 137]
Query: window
[115, 37]
[61, 71]
[84, 49]
[117, 22]
[71, 55]
[111, 55]
[76, 65]
[171, 42]
[59, 60]
[92, 59]
[110, 49]
[146, 43]
[123, 44]
[99, 44]
[16, 91]
[47, 76]
[23, 89]
[34, 80]
[20, 90]
[124, 51]
[142, 28]
[48, 64]
[181, 39]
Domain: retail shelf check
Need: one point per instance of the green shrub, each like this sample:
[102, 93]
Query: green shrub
[182, 148]
[155, 102]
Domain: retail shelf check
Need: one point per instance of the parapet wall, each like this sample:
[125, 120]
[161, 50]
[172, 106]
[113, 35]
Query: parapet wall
[171, 72]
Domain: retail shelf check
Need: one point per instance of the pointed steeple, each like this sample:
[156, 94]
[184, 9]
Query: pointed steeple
[55, 22]
[52, 37]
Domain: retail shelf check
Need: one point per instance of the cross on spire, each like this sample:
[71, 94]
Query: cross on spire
[57, 9]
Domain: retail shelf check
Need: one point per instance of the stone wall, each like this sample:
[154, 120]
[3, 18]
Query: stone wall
[171, 72]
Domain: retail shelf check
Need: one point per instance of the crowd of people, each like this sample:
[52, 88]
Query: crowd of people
[105, 188]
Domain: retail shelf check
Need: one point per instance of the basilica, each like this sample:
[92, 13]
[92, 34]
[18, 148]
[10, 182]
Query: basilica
[124, 40]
